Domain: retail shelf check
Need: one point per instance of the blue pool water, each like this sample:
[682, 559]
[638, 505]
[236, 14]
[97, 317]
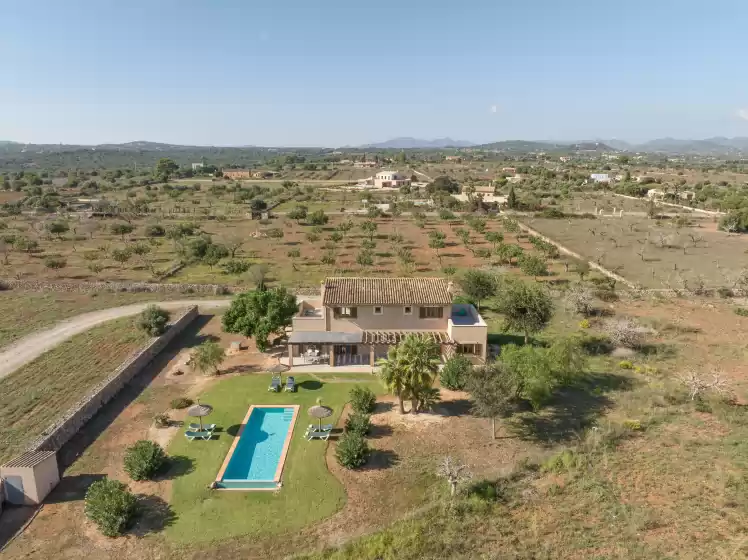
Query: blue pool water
[256, 456]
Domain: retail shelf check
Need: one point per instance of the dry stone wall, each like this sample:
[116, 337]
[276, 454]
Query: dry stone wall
[93, 287]
[56, 435]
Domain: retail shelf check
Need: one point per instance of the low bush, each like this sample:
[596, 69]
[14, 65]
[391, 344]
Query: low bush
[110, 505]
[358, 423]
[162, 420]
[352, 450]
[143, 459]
[363, 400]
[153, 320]
[455, 372]
[625, 364]
[584, 324]
[181, 402]
[155, 231]
[742, 311]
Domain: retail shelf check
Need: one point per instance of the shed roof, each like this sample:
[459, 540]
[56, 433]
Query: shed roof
[386, 291]
[29, 459]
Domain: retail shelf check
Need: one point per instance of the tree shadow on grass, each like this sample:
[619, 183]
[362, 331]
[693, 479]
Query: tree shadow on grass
[379, 431]
[571, 411]
[310, 385]
[233, 431]
[457, 407]
[660, 351]
[154, 515]
[176, 466]
[505, 338]
[380, 459]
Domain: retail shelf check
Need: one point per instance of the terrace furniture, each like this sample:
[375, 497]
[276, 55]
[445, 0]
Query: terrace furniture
[275, 384]
[190, 435]
[323, 428]
[205, 428]
[317, 435]
[290, 384]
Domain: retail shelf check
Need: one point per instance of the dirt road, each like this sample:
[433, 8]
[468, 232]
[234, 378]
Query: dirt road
[34, 345]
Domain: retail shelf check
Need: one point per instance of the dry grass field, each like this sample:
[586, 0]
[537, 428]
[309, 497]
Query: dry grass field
[653, 253]
[24, 313]
[34, 396]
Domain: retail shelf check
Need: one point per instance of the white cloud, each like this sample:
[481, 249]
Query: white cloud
[743, 114]
[495, 108]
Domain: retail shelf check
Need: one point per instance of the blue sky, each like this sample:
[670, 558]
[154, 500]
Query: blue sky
[239, 72]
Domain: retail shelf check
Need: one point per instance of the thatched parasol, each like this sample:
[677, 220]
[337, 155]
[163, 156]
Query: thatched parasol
[198, 411]
[319, 412]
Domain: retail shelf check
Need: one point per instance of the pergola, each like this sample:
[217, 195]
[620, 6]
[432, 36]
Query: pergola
[395, 337]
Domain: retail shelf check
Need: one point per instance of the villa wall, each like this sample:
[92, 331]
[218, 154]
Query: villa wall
[56, 435]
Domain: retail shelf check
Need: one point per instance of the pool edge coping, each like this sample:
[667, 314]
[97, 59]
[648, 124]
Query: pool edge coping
[284, 452]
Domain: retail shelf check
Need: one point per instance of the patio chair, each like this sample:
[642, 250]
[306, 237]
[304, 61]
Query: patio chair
[290, 384]
[323, 428]
[275, 384]
[317, 435]
[205, 428]
[190, 435]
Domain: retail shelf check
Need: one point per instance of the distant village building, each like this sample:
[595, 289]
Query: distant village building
[196, 166]
[509, 169]
[364, 164]
[264, 174]
[390, 179]
[565, 159]
[514, 179]
[655, 194]
[600, 177]
[237, 174]
[453, 158]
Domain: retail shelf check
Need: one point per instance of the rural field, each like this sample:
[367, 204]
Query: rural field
[654, 253]
[33, 396]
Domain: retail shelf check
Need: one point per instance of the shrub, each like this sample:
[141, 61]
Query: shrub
[584, 324]
[742, 311]
[633, 425]
[181, 402]
[110, 505]
[155, 231]
[162, 420]
[235, 267]
[626, 332]
[143, 459]
[153, 320]
[352, 450]
[363, 400]
[625, 364]
[455, 372]
[358, 423]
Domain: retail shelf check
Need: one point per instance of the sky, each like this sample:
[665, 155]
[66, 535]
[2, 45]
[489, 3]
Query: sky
[333, 73]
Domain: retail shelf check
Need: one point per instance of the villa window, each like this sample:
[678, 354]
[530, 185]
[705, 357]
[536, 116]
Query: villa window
[407, 310]
[432, 312]
[378, 311]
[345, 313]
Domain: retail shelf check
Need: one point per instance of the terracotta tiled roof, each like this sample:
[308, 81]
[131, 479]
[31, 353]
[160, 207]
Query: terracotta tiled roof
[386, 291]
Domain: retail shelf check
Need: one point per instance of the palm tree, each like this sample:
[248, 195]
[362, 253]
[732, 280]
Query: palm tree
[418, 357]
[393, 376]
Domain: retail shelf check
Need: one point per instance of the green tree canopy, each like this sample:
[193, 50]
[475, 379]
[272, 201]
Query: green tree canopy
[166, 167]
[478, 285]
[208, 357]
[492, 392]
[260, 313]
[526, 307]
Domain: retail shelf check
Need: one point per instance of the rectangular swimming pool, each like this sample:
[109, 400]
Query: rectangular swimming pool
[258, 454]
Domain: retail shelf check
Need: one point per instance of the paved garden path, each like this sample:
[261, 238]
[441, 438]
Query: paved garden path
[34, 345]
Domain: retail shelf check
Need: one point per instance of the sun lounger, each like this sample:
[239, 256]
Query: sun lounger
[206, 427]
[190, 435]
[275, 384]
[317, 435]
[290, 384]
[324, 428]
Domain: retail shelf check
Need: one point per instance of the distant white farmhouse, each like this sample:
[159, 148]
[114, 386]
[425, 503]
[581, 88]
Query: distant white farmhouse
[600, 177]
[390, 179]
[196, 166]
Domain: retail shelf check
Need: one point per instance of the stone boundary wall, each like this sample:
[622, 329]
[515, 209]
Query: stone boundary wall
[59, 433]
[698, 210]
[567, 251]
[92, 287]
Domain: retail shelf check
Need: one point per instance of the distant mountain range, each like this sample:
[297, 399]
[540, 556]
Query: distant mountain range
[407, 143]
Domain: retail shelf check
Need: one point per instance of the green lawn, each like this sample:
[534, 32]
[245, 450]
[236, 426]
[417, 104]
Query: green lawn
[309, 492]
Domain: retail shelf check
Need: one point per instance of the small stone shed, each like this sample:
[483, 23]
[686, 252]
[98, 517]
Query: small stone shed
[30, 477]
